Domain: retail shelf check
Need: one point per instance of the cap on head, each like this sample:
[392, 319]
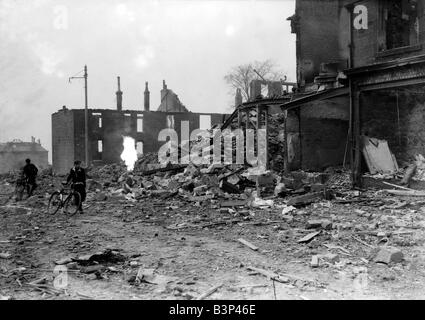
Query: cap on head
[77, 162]
[27, 160]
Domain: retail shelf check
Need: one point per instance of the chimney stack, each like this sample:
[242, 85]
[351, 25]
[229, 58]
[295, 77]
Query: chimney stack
[238, 97]
[119, 96]
[147, 93]
[164, 86]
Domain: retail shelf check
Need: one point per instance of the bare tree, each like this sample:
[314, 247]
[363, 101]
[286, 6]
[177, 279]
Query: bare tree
[240, 77]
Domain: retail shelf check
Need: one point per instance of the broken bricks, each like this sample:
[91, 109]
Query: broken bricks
[389, 255]
[308, 198]
[5, 255]
[280, 190]
[265, 184]
[228, 187]
[329, 257]
[316, 224]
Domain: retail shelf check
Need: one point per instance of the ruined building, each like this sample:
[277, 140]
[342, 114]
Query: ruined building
[307, 127]
[107, 127]
[14, 153]
[170, 101]
[382, 44]
[360, 73]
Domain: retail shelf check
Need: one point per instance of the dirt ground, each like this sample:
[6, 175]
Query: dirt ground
[187, 248]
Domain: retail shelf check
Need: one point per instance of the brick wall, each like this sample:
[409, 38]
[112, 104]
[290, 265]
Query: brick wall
[366, 41]
[317, 134]
[68, 132]
[317, 37]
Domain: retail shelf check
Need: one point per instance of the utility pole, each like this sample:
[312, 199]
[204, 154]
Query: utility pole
[86, 116]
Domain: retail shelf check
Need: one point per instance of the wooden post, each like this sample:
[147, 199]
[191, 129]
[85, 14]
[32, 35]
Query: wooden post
[258, 126]
[285, 133]
[247, 119]
[357, 145]
[266, 124]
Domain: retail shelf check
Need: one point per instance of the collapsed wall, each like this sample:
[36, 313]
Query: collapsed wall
[397, 116]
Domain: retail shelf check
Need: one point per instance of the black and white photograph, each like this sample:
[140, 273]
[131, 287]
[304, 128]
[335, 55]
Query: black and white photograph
[230, 152]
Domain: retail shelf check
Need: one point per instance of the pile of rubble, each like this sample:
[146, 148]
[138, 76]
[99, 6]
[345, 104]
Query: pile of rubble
[254, 186]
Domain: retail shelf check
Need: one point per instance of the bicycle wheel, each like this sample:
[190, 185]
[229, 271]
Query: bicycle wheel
[72, 203]
[19, 192]
[55, 203]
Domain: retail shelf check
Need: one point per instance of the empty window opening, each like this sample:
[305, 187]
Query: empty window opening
[264, 90]
[170, 122]
[139, 148]
[140, 124]
[99, 117]
[99, 146]
[204, 122]
[401, 23]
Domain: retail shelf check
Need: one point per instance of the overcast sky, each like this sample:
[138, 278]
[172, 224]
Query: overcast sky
[191, 44]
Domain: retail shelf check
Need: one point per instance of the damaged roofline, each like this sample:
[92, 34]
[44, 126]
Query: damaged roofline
[287, 105]
[386, 65]
[325, 94]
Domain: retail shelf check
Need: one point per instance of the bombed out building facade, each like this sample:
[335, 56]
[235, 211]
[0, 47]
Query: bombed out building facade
[107, 127]
[374, 48]
[360, 75]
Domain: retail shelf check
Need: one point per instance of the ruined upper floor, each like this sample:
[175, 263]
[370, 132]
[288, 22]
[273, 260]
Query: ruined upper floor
[334, 35]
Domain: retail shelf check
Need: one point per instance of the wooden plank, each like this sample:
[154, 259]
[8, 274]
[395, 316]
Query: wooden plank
[248, 244]
[308, 237]
[233, 203]
[396, 186]
[268, 274]
[407, 193]
[305, 198]
[209, 292]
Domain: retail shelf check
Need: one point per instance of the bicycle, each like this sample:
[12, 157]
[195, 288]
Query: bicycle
[20, 187]
[68, 199]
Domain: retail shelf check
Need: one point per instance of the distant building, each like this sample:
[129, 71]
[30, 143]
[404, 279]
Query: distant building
[170, 102]
[13, 155]
[107, 127]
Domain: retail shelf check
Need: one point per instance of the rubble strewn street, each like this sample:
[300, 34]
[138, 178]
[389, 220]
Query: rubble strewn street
[212, 150]
[182, 232]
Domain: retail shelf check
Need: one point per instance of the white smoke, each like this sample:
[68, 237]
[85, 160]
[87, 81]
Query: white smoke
[129, 154]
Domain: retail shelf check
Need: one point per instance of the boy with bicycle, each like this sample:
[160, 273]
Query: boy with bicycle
[77, 176]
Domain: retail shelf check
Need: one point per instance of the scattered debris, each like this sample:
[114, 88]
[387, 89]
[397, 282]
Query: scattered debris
[5, 255]
[309, 237]
[408, 174]
[388, 254]
[270, 275]
[248, 244]
[314, 261]
[288, 209]
[209, 292]
[407, 193]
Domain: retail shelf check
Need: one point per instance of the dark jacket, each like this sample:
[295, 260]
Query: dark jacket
[30, 171]
[77, 176]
